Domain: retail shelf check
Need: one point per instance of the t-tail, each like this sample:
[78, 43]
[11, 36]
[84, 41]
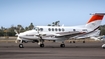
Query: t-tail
[95, 21]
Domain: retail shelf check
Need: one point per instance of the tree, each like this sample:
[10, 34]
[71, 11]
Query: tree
[31, 26]
[102, 28]
[49, 25]
[19, 28]
[26, 28]
[3, 28]
[56, 23]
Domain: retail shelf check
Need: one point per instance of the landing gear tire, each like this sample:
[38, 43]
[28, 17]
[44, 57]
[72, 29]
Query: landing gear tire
[42, 45]
[103, 47]
[83, 41]
[70, 42]
[62, 45]
[73, 41]
[21, 46]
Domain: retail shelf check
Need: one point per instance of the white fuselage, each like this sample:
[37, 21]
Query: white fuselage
[49, 32]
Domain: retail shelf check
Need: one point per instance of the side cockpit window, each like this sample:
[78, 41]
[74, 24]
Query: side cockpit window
[36, 28]
[41, 29]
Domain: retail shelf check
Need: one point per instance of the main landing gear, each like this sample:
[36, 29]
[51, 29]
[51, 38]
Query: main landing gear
[71, 41]
[83, 41]
[75, 42]
[41, 43]
[62, 45]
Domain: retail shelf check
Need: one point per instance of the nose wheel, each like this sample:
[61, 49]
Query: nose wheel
[42, 45]
[62, 45]
[21, 46]
[83, 41]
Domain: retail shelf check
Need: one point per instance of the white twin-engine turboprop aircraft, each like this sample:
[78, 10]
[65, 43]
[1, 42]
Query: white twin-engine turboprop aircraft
[60, 33]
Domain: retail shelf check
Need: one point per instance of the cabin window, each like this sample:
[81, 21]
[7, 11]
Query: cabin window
[36, 28]
[41, 29]
[59, 29]
[52, 29]
[63, 29]
[55, 29]
[49, 29]
[74, 30]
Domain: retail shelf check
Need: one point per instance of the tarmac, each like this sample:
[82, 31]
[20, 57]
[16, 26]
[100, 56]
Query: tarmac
[78, 50]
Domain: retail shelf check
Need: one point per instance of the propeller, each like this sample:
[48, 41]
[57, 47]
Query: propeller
[17, 33]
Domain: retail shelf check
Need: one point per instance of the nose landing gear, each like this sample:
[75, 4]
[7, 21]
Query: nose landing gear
[42, 45]
[21, 46]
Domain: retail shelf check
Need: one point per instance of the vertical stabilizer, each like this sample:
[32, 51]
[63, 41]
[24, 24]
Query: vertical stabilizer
[95, 21]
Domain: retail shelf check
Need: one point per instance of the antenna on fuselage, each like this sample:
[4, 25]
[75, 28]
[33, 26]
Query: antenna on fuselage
[97, 14]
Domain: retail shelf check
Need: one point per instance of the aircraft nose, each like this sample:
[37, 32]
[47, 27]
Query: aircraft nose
[20, 35]
[16, 34]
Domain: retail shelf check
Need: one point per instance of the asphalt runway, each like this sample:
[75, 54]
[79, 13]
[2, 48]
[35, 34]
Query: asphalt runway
[52, 50]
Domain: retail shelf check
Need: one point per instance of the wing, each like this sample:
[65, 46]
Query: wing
[70, 34]
[60, 34]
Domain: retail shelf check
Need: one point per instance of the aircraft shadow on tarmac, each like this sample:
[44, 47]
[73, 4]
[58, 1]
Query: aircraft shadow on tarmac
[12, 53]
[54, 45]
[51, 47]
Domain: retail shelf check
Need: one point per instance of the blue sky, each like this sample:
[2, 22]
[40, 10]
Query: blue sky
[43, 12]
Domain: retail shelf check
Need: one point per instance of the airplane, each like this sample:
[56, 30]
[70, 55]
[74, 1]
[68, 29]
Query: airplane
[103, 39]
[60, 33]
[99, 38]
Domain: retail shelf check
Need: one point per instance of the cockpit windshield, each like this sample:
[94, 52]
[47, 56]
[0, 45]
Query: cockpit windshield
[36, 28]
